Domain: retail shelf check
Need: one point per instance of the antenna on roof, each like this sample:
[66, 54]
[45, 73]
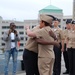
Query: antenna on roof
[50, 2]
[73, 9]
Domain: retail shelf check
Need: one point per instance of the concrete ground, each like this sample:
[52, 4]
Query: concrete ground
[62, 69]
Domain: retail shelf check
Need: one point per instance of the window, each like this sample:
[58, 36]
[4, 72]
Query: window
[59, 26]
[64, 19]
[2, 32]
[22, 38]
[8, 27]
[26, 38]
[20, 49]
[21, 32]
[21, 27]
[21, 44]
[16, 27]
[32, 26]
[3, 21]
[3, 27]
[2, 38]
[3, 44]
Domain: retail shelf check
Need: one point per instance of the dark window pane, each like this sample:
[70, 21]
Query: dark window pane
[64, 19]
[3, 27]
[26, 38]
[2, 32]
[59, 26]
[22, 38]
[21, 32]
[17, 27]
[8, 27]
[2, 38]
[21, 44]
[3, 44]
[20, 49]
[21, 27]
[32, 26]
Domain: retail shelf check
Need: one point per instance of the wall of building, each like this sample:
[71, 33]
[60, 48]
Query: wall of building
[20, 27]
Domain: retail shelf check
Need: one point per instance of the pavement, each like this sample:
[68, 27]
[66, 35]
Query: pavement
[62, 69]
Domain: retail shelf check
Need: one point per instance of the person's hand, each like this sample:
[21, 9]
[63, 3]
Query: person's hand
[27, 27]
[15, 32]
[62, 49]
[51, 33]
[9, 32]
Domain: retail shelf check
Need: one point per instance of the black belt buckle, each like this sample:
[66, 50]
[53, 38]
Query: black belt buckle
[12, 40]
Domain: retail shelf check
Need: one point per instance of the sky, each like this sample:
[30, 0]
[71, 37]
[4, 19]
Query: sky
[21, 10]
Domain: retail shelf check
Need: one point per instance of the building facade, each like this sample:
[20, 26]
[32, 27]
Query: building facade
[55, 11]
[20, 27]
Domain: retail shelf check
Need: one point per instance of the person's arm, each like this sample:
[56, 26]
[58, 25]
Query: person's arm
[6, 35]
[62, 40]
[51, 33]
[40, 41]
[62, 43]
[17, 37]
[44, 42]
[67, 40]
[30, 33]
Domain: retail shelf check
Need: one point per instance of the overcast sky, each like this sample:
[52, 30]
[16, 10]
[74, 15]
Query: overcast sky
[29, 9]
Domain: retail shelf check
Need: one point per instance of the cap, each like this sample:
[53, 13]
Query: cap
[46, 18]
[56, 19]
[73, 22]
[52, 17]
[68, 21]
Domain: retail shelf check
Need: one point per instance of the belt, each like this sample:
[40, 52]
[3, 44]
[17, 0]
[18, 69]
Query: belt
[12, 40]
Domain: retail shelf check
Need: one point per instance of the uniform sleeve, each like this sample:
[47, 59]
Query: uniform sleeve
[62, 36]
[36, 27]
[64, 32]
[39, 33]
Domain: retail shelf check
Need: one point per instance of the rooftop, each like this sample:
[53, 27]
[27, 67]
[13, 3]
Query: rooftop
[51, 8]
